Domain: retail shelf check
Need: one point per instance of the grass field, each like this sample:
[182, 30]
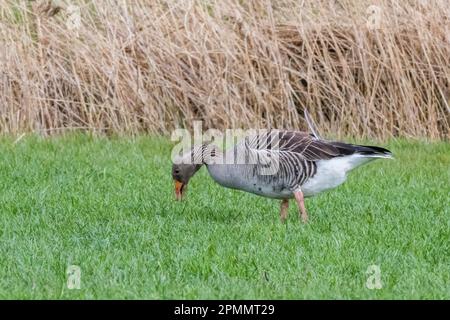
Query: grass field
[107, 206]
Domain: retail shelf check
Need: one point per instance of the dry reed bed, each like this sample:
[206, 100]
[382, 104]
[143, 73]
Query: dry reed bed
[151, 66]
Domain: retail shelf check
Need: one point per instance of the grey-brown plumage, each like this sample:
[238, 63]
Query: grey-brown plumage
[279, 164]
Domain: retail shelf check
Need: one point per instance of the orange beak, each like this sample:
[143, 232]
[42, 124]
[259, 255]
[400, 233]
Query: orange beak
[179, 186]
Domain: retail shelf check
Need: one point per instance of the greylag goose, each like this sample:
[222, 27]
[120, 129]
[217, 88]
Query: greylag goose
[277, 164]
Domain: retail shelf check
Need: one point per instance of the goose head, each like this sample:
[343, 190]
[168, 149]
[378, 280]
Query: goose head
[184, 167]
[181, 174]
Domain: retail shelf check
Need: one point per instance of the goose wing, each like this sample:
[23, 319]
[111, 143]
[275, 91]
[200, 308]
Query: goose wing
[299, 144]
[311, 148]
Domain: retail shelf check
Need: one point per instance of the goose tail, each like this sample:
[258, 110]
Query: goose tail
[373, 152]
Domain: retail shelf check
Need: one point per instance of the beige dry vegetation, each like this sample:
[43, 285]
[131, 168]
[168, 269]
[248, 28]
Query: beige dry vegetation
[151, 66]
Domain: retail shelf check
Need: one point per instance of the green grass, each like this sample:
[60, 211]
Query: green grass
[107, 206]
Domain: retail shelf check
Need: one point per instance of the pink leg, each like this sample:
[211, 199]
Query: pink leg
[301, 205]
[284, 209]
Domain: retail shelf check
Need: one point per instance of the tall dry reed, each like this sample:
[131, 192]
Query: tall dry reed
[372, 69]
